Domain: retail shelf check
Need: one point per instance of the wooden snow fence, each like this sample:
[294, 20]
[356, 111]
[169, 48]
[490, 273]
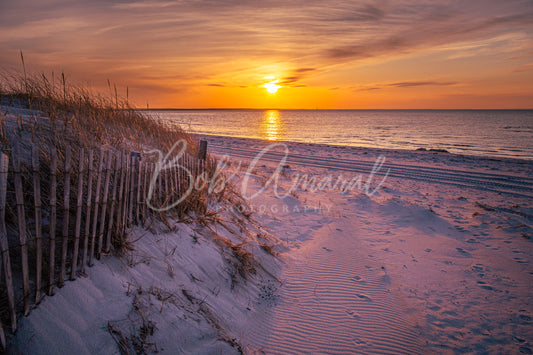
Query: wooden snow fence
[61, 210]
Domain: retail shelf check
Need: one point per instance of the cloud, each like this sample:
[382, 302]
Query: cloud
[427, 32]
[311, 42]
[404, 84]
[408, 84]
[523, 68]
[296, 76]
[304, 70]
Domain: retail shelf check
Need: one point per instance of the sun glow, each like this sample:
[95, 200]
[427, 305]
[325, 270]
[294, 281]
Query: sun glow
[271, 125]
[271, 86]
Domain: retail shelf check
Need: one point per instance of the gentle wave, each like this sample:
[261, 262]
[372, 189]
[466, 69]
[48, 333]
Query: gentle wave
[495, 133]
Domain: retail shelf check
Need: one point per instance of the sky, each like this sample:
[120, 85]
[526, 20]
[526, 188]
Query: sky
[319, 54]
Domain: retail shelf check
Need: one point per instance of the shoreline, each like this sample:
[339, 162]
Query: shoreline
[520, 160]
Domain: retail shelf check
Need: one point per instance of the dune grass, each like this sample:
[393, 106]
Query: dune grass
[78, 116]
[47, 112]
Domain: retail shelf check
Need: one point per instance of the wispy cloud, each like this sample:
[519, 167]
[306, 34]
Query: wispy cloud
[404, 84]
[229, 43]
[424, 33]
[407, 84]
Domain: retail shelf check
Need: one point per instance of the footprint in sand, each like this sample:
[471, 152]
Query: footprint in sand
[358, 279]
[353, 314]
[484, 285]
[364, 297]
[521, 261]
[359, 342]
[478, 268]
[525, 350]
[464, 252]
[524, 318]
[434, 308]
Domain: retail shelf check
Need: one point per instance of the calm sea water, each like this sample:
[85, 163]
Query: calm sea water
[498, 133]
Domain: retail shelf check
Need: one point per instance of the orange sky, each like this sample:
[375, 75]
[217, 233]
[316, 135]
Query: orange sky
[343, 54]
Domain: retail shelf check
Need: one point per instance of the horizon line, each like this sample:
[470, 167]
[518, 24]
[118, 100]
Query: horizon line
[332, 109]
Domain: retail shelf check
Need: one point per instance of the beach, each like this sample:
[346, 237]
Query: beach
[436, 259]
[376, 251]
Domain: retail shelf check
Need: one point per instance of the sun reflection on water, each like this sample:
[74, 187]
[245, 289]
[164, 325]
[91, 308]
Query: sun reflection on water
[271, 125]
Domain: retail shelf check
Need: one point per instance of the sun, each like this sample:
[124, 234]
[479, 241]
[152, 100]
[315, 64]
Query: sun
[271, 86]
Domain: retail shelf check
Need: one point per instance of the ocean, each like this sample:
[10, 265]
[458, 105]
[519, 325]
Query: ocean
[489, 133]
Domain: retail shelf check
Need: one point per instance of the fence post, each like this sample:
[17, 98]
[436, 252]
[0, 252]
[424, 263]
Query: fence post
[53, 212]
[38, 220]
[86, 234]
[139, 186]
[108, 168]
[79, 205]
[202, 152]
[146, 187]
[122, 171]
[4, 161]
[133, 185]
[96, 204]
[113, 202]
[66, 216]
[126, 195]
[22, 228]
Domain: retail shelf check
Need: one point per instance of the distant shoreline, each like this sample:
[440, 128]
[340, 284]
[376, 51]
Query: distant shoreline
[375, 150]
[334, 109]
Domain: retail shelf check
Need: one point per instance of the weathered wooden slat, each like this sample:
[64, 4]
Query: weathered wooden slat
[123, 195]
[22, 228]
[146, 183]
[131, 199]
[88, 205]
[135, 188]
[79, 207]
[202, 152]
[53, 217]
[111, 226]
[66, 216]
[118, 223]
[96, 204]
[3, 344]
[4, 246]
[126, 194]
[165, 176]
[38, 221]
[139, 187]
[179, 180]
[171, 179]
[108, 170]
[159, 186]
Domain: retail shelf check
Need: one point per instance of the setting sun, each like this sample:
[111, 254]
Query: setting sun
[272, 87]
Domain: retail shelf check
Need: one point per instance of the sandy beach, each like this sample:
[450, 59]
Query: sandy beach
[436, 260]
[424, 252]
